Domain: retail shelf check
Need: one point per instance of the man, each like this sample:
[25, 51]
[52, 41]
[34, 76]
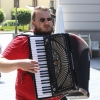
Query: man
[18, 53]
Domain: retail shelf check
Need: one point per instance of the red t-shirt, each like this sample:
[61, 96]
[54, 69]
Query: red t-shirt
[18, 49]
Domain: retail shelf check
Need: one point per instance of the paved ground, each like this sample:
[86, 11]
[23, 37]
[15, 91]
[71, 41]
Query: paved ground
[7, 86]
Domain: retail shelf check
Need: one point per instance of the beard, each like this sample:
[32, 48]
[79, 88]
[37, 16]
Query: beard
[39, 31]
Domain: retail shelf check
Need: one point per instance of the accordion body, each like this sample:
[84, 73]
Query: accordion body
[67, 65]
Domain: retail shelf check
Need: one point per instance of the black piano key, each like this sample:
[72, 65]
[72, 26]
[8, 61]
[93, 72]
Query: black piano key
[39, 40]
[44, 89]
[40, 51]
[43, 67]
[39, 45]
[41, 55]
[45, 80]
[44, 76]
[44, 73]
[42, 64]
[41, 60]
[45, 83]
[47, 92]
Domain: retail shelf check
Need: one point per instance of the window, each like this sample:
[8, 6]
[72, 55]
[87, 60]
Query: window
[34, 3]
[16, 3]
[4, 24]
[17, 24]
[10, 23]
[51, 4]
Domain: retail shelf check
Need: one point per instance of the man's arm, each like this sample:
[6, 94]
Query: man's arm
[24, 64]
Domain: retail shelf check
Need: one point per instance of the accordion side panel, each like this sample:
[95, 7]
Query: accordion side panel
[82, 66]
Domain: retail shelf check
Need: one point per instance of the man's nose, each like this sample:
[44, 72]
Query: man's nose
[46, 21]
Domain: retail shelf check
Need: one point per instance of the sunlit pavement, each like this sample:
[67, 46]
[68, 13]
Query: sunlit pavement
[7, 86]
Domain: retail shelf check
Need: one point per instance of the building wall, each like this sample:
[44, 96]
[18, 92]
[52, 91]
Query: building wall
[81, 15]
[0, 3]
[24, 3]
[43, 3]
[7, 6]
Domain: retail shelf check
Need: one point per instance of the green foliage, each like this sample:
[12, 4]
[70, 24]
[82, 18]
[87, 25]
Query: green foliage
[13, 13]
[23, 15]
[2, 15]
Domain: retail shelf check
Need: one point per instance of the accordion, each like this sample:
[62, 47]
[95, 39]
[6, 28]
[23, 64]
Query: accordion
[64, 65]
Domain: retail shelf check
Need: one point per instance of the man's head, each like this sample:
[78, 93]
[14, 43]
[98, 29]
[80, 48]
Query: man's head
[42, 21]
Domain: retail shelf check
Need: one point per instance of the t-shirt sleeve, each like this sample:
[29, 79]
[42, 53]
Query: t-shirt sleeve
[17, 48]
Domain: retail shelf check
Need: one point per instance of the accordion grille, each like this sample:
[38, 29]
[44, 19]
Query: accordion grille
[61, 63]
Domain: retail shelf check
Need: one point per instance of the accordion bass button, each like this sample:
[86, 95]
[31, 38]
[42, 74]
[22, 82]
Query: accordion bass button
[54, 89]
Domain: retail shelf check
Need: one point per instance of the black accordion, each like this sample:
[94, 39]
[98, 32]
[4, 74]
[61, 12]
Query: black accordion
[64, 63]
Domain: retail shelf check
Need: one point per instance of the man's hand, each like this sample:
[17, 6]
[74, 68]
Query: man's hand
[28, 65]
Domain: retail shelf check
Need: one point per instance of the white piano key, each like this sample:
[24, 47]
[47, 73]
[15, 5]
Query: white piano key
[46, 95]
[36, 38]
[43, 69]
[35, 53]
[44, 62]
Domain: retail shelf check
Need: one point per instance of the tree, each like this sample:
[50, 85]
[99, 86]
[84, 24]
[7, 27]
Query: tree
[23, 15]
[2, 15]
[13, 13]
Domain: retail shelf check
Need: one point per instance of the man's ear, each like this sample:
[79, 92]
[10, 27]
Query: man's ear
[33, 22]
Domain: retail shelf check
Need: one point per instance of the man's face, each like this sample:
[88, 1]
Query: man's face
[43, 24]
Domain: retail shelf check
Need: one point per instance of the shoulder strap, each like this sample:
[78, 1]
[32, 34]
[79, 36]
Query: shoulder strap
[25, 34]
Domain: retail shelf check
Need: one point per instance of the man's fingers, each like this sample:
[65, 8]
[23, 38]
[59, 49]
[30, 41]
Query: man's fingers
[36, 68]
[34, 62]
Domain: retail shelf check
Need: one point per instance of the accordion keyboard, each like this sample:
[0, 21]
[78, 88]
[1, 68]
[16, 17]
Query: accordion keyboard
[42, 76]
